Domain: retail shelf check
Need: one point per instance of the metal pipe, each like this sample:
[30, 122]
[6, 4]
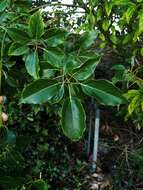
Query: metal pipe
[89, 133]
[90, 127]
[96, 138]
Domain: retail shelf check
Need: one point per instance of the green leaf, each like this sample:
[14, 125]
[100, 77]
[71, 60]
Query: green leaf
[17, 49]
[4, 4]
[87, 69]
[93, 2]
[91, 20]
[70, 62]
[105, 24]
[32, 64]
[8, 182]
[73, 118]
[119, 71]
[55, 37]
[40, 185]
[88, 38]
[36, 25]
[131, 94]
[104, 92]
[40, 91]
[134, 104]
[140, 15]
[127, 38]
[130, 11]
[85, 56]
[11, 81]
[121, 2]
[59, 95]
[18, 35]
[108, 7]
[114, 39]
[54, 56]
[118, 67]
[48, 73]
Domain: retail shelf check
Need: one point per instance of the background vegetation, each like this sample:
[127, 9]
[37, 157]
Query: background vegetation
[54, 57]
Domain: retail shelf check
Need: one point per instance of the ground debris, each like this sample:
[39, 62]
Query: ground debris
[97, 181]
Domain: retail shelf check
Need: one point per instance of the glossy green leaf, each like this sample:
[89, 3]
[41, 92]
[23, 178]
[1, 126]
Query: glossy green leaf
[40, 185]
[55, 37]
[32, 64]
[36, 25]
[59, 95]
[73, 118]
[118, 67]
[104, 92]
[40, 91]
[54, 56]
[70, 62]
[85, 56]
[88, 38]
[18, 35]
[17, 49]
[87, 69]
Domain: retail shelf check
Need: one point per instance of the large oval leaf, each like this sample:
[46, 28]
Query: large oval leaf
[88, 38]
[84, 56]
[104, 91]
[36, 25]
[40, 91]
[32, 64]
[55, 37]
[54, 56]
[18, 35]
[70, 62]
[87, 69]
[17, 49]
[73, 118]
